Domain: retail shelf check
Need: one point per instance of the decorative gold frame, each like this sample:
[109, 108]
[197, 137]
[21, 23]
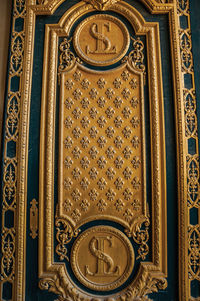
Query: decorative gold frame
[152, 273]
[105, 216]
[28, 11]
[119, 56]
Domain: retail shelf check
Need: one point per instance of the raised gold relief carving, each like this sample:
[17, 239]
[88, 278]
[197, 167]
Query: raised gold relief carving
[139, 230]
[49, 6]
[101, 4]
[85, 198]
[101, 145]
[34, 219]
[13, 262]
[103, 268]
[101, 40]
[99, 176]
[64, 235]
[10, 200]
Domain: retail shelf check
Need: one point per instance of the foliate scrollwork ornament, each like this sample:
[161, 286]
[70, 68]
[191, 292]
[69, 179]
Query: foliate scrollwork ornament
[163, 1]
[67, 58]
[192, 156]
[183, 6]
[42, 2]
[10, 169]
[68, 292]
[186, 51]
[193, 181]
[146, 285]
[129, 82]
[53, 285]
[139, 231]
[101, 4]
[64, 235]
[34, 219]
[8, 257]
[194, 251]
[136, 56]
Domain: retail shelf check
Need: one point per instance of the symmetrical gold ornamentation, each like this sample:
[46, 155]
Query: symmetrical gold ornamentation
[10, 165]
[43, 2]
[34, 219]
[84, 198]
[100, 97]
[101, 4]
[67, 59]
[194, 254]
[192, 247]
[64, 235]
[103, 268]
[101, 40]
[94, 182]
[135, 59]
[13, 261]
[140, 235]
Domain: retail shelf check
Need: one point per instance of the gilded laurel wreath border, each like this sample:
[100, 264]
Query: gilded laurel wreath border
[16, 132]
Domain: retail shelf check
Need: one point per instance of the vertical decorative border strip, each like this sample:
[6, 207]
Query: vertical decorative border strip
[192, 202]
[22, 154]
[11, 142]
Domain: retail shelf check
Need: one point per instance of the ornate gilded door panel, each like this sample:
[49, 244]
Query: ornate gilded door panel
[100, 193]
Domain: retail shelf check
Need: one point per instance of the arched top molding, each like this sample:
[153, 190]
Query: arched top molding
[48, 7]
[137, 21]
[130, 13]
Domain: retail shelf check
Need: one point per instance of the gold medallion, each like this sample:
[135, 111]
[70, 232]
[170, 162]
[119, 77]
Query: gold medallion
[96, 260]
[101, 40]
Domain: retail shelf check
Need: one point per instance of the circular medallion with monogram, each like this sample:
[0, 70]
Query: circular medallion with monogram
[101, 40]
[102, 258]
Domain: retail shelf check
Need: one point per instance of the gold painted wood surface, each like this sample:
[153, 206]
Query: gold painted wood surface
[180, 53]
[34, 219]
[101, 40]
[104, 242]
[5, 16]
[67, 228]
[101, 135]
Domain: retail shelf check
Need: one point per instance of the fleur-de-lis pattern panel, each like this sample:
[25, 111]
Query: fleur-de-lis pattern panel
[102, 145]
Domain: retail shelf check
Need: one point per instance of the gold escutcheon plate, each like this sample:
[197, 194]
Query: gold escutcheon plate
[102, 258]
[101, 40]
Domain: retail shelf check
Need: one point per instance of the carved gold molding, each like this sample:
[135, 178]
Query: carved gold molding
[14, 191]
[83, 199]
[189, 271]
[49, 6]
[18, 115]
[119, 31]
[34, 219]
[153, 273]
[119, 270]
